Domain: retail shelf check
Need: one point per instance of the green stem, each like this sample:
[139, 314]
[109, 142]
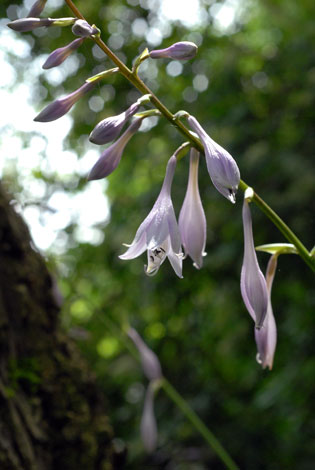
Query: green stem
[143, 88]
[198, 424]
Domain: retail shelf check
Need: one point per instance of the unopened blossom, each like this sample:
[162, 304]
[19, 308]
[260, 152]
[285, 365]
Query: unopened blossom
[148, 427]
[266, 337]
[253, 283]
[83, 29]
[111, 156]
[222, 168]
[59, 55]
[150, 363]
[159, 233]
[108, 129]
[59, 107]
[192, 220]
[37, 8]
[28, 24]
[183, 50]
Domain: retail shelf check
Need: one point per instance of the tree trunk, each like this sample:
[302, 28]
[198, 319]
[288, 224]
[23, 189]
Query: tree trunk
[51, 412]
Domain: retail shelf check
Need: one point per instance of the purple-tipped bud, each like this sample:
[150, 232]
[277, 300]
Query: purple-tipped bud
[183, 50]
[37, 8]
[150, 364]
[111, 156]
[58, 108]
[192, 220]
[28, 24]
[148, 427]
[253, 283]
[108, 129]
[222, 168]
[59, 55]
[83, 29]
[266, 337]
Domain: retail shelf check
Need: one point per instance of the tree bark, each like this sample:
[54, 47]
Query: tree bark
[51, 412]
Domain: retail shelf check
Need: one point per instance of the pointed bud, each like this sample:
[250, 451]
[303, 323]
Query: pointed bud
[192, 220]
[58, 108]
[150, 364]
[253, 283]
[148, 427]
[59, 55]
[108, 129]
[183, 50]
[28, 24]
[222, 168]
[111, 156]
[83, 29]
[37, 8]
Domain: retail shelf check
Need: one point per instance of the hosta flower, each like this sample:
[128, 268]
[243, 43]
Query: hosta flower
[266, 337]
[37, 8]
[150, 364]
[28, 24]
[148, 427]
[253, 283]
[58, 108]
[222, 168]
[108, 129]
[59, 55]
[159, 233]
[192, 220]
[83, 29]
[111, 156]
[183, 50]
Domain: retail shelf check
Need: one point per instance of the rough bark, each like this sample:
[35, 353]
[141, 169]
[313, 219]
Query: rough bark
[52, 415]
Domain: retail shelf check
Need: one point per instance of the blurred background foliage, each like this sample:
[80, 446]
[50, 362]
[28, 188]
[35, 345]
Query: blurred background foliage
[252, 87]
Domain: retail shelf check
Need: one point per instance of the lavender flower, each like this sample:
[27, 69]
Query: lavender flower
[37, 8]
[83, 29]
[253, 283]
[148, 427]
[183, 50]
[58, 108]
[59, 55]
[192, 220]
[111, 156]
[266, 337]
[28, 24]
[222, 168]
[108, 129]
[159, 233]
[150, 364]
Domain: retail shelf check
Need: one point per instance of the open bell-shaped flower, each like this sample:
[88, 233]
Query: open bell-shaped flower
[83, 29]
[253, 283]
[111, 156]
[37, 8]
[159, 233]
[59, 55]
[183, 50]
[59, 107]
[222, 168]
[192, 220]
[266, 337]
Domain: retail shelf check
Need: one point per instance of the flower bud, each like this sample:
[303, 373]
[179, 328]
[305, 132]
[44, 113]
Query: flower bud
[83, 29]
[111, 156]
[150, 364]
[58, 108]
[192, 220]
[148, 427]
[59, 55]
[37, 8]
[183, 50]
[28, 24]
[108, 129]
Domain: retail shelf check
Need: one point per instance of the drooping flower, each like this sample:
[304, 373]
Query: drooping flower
[59, 55]
[28, 24]
[159, 233]
[37, 8]
[59, 107]
[148, 427]
[108, 129]
[222, 168]
[150, 364]
[266, 337]
[83, 29]
[183, 50]
[192, 220]
[111, 156]
[253, 283]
